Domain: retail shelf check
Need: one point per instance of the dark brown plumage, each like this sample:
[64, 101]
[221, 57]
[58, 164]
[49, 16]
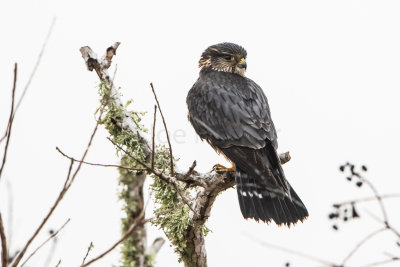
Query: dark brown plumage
[231, 113]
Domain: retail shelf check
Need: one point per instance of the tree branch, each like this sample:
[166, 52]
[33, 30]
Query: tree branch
[32, 73]
[139, 221]
[153, 135]
[295, 252]
[99, 164]
[10, 120]
[67, 184]
[44, 243]
[359, 244]
[4, 249]
[87, 253]
[171, 158]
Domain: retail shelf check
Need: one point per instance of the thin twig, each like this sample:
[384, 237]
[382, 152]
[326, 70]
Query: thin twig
[138, 221]
[47, 240]
[378, 263]
[359, 244]
[367, 199]
[190, 171]
[35, 68]
[58, 264]
[387, 225]
[10, 120]
[378, 197]
[293, 252]
[87, 253]
[188, 174]
[10, 212]
[4, 249]
[99, 164]
[166, 131]
[65, 188]
[154, 133]
[87, 147]
[169, 180]
[32, 73]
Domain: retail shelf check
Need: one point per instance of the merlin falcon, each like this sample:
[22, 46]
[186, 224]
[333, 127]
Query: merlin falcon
[231, 113]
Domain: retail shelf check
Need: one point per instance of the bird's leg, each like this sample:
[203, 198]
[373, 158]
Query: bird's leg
[220, 167]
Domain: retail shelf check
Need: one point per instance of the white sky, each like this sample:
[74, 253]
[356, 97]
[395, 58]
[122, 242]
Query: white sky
[330, 70]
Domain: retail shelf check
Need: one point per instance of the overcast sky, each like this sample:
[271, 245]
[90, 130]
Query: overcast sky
[330, 70]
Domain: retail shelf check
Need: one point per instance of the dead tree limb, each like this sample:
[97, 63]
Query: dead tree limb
[119, 122]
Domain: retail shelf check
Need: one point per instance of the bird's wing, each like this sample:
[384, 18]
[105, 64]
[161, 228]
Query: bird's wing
[229, 110]
[232, 114]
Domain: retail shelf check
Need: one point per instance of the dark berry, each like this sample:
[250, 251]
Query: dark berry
[333, 215]
[354, 212]
[364, 168]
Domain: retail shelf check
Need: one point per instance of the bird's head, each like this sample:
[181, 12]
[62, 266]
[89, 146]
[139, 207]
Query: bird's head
[226, 57]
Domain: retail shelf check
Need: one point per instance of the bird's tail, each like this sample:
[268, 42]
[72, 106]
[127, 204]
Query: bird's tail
[260, 204]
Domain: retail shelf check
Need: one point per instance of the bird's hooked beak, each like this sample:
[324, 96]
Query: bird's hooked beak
[242, 63]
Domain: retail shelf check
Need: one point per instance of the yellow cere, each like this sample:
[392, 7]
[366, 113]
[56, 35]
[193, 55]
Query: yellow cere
[241, 60]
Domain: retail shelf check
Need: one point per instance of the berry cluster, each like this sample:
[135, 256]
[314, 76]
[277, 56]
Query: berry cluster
[347, 211]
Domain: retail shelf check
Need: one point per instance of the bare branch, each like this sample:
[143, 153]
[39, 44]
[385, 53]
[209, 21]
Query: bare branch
[139, 221]
[4, 249]
[166, 131]
[67, 184]
[153, 141]
[387, 225]
[10, 120]
[99, 164]
[87, 252]
[378, 263]
[294, 252]
[363, 241]
[367, 199]
[32, 74]
[47, 240]
[378, 197]
[10, 212]
[35, 68]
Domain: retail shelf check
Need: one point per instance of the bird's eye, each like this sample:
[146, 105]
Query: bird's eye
[229, 57]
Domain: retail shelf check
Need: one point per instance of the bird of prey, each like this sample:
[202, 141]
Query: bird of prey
[231, 113]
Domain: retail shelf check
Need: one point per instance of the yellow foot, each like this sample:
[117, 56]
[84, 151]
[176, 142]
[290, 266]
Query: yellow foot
[220, 167]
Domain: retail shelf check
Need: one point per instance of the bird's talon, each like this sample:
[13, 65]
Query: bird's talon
[219, 167]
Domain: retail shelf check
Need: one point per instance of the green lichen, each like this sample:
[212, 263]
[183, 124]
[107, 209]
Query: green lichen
[150, 260]
[172, 215]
